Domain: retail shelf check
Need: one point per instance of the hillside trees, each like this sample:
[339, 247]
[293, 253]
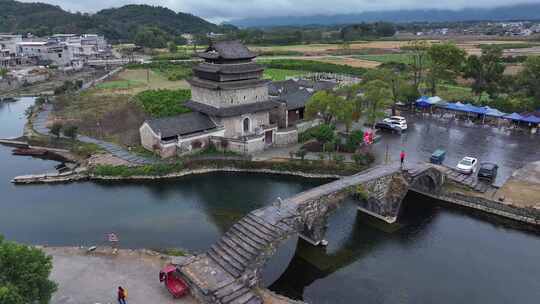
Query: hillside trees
[151, 37]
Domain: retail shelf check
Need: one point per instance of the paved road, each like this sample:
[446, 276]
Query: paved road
[510, 150]
[40, 125]
[92, 279]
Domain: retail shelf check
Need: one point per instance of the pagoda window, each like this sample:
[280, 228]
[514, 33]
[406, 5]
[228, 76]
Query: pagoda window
[246, 125]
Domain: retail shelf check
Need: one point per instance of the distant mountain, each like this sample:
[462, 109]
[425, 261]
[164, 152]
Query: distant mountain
[513, 12]
[118, 24]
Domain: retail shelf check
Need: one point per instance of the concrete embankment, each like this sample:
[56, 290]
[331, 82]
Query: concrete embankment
[52, 178]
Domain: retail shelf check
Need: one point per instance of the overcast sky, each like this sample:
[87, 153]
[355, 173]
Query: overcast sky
[217, 10]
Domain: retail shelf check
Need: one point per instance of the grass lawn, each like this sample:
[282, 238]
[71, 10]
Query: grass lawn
[281, 74]
[459, 93]
[119, 84]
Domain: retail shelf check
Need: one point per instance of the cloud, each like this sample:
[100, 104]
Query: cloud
[233, 9]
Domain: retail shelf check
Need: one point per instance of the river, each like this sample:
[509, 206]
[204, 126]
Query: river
[437, 253]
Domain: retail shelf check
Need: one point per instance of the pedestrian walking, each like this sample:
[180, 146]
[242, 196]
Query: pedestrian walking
[122, 295]
[402, 157]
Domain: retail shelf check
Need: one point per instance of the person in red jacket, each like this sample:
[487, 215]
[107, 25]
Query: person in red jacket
[402, 157]
[121, 295]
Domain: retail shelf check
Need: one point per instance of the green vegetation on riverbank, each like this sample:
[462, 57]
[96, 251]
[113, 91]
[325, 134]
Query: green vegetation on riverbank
[296, 166]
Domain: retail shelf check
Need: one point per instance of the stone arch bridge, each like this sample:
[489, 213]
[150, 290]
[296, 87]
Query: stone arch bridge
[231, 268]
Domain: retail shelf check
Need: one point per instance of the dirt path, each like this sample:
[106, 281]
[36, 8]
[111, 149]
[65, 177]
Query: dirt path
[93, 278]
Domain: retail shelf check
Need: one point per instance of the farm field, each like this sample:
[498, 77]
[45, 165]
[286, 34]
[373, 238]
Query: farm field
[370, 54]
[400, 57]
[133, 81]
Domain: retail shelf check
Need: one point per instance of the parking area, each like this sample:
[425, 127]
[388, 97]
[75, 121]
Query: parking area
[511, 150]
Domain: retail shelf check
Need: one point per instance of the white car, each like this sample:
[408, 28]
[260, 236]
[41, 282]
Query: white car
[397, 121]
[467, 165]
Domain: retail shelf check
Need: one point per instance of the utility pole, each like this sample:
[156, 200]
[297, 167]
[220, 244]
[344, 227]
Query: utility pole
[386, 156]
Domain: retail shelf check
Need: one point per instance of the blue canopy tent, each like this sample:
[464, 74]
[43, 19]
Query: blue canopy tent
[513, 116]
[531, 119]
[494, 112]
[423, 102]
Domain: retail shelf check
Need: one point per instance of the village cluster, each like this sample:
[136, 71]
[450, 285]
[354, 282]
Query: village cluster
[24, 59]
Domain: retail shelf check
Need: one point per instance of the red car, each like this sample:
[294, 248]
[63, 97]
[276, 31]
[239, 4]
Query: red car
[176, 286]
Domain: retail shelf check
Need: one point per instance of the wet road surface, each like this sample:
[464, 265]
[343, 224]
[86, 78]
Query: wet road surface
[510, 150]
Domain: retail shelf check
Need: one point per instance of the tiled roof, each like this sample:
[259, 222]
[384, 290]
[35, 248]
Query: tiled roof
[227, 85]
[295, 99]
[231, 50]
[229, 68]
[233, 110]
[183, 124]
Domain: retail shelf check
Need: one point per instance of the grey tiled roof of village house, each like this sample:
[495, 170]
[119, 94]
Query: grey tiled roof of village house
[182, 124]
[296, 99]
[233, 110]
[277, 88]
[232, 50]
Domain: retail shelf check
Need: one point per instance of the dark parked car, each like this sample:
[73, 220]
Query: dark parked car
[387, 127]
[488, 171]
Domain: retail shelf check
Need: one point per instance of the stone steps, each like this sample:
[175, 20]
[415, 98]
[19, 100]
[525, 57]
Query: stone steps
[241, 245]
[236, 293]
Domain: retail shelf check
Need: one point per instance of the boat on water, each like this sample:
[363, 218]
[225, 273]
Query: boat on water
[29, 151]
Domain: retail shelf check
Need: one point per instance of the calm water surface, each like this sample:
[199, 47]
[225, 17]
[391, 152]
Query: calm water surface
[437, 254]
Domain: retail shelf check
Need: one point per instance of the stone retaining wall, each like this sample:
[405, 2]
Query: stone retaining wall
[525, 215]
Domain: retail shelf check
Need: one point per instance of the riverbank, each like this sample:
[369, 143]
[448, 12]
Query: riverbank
[84, 174]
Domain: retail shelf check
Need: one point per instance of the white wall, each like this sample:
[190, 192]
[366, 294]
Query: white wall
[227, 98]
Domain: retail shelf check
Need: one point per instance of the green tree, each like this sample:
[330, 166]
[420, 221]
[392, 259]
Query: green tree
[325, 104]
[173, 48]
[3, 72]
[376, 98]
[529, 78]
[71, 132]
[24, 274]
[446, 61]
[324, 134]
[56, 128]
[419, 60]
[486, 71]
[151, 37]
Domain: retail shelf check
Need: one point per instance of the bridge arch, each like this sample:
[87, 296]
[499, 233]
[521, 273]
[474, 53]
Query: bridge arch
[232, 267]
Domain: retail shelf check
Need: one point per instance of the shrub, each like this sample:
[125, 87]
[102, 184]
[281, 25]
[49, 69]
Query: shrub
[323, 133]
[301, 153]
[56, 128]
[71, 132]
[162, 103]
[363, 158]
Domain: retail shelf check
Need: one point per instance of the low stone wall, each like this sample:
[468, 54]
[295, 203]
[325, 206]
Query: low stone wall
[286, 137]
[525, 215]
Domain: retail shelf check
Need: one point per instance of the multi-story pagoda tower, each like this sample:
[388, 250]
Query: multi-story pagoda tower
[229, 88]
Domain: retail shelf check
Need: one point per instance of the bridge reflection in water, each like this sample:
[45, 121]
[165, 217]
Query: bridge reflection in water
[352, 236]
